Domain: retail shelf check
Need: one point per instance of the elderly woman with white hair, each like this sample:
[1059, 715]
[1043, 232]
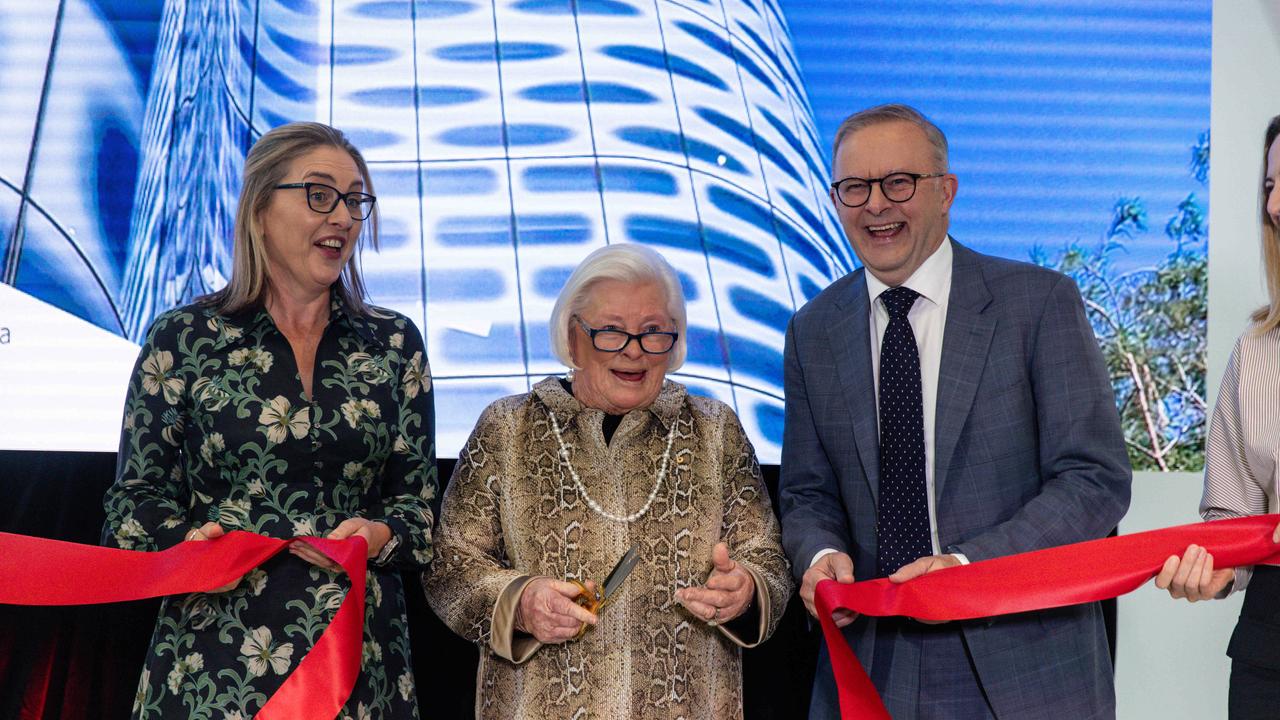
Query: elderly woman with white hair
[553, 488]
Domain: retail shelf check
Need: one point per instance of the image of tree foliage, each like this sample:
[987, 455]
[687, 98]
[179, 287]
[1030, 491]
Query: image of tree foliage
[1151, 324]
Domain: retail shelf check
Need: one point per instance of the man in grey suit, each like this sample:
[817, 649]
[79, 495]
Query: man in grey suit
[945, 407]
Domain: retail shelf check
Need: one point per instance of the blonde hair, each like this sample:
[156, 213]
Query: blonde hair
[628, 263]
[1267, 317]
[264, 168]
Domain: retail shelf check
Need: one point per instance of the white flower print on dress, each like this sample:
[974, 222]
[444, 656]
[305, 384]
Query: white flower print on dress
[257, 581]
[174, 423]
[224, 330]
[259, 358]
[405, 684]
[233, 513]
[157, 376]
[357, 410]
[209, 394]
[279, 420]
[213, 442]
[330, 595]
[416, 378]
[192, 662]
[367, 369]
[372, 652]
[262, 359]
[129, 533]
[200, 610]
[362, 713]
[259, 653]
[144, 684]
[397, 340]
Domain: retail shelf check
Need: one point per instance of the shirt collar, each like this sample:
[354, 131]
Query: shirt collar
[236, 328]
[361, 325]
[932, 279]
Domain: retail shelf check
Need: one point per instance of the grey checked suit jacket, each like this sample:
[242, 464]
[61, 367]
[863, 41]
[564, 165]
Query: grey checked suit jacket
[1028, 450]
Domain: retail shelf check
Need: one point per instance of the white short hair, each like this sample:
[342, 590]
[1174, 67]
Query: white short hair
[625, 262]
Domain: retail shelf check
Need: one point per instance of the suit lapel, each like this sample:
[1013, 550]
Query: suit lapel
[849, 333]
[965, 343]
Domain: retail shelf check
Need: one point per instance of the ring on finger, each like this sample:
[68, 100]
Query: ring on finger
[715, 617]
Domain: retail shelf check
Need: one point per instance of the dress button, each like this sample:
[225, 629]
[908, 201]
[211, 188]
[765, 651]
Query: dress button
[319, 464]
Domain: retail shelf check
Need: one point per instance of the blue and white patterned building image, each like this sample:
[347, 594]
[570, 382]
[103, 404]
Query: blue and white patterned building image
[508, 140]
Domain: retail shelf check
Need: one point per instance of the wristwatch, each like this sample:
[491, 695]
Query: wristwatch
[384, 555]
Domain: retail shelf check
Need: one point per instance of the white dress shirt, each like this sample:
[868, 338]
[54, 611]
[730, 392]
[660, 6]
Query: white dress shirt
[928, 318]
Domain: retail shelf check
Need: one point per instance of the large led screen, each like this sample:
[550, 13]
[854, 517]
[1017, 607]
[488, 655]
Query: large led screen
[509, 139]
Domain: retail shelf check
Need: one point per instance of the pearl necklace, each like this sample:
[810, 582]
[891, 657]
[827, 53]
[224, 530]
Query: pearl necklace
[591, 503]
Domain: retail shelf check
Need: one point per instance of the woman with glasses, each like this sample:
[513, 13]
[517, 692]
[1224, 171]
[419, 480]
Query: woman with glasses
[1240, 474]
[286, 405]
[554, 487]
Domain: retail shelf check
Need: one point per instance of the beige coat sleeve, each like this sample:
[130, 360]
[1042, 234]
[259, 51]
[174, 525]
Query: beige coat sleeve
[751, 531]
[471, 584]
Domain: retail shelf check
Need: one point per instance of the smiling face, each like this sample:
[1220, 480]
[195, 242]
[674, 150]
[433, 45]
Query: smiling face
[306, 250]
[618, 382]
[892, 239]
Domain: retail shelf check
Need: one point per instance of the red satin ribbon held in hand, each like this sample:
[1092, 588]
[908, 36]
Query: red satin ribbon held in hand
[39, 571]
[1064, 575]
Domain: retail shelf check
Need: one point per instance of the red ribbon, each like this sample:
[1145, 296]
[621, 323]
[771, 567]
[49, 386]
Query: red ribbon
[1065, 575]
[39, 571]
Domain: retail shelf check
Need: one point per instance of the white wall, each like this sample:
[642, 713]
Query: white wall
[1170, 655]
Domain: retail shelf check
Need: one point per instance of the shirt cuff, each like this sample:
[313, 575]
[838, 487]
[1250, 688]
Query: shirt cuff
[764, 612]
[505, 641]
[818, 555]
[961, 557]
[1239, 582]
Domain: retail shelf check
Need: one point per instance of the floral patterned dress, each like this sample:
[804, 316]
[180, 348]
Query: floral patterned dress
[217, 428]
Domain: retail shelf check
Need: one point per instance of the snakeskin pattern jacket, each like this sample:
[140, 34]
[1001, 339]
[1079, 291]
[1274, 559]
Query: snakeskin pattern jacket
[512, 513]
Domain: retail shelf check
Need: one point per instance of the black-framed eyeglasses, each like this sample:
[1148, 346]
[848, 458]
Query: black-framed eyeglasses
[325, 198]
[653, 342]
[898, 187]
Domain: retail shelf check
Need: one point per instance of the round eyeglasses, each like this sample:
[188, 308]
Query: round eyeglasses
[653, 342]
[898, 187]
[325, 198]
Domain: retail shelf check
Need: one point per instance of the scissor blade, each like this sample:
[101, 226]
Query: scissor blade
[621, 571]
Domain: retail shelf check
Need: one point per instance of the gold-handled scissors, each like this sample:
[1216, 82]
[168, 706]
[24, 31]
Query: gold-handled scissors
[594, 601]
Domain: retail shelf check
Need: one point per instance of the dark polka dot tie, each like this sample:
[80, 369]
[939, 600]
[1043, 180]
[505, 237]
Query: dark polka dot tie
[902, 520]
